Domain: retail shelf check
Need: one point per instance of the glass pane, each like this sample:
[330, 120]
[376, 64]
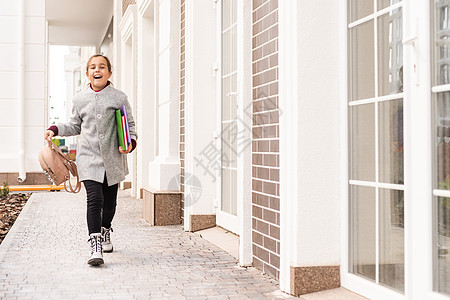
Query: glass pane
[229, 199]
[362, 231]
[390, 135]
[359, 8]
[390, 53]
[233, 191]
[233, 13]
[226, 90]
[226, 195]
[392, 237]
[233, 49]
[385, 3]
[227, 52]
[441, 45]
[229, 98]
[442, 140]
[226, 13]
[229, 144]
[361, 60]
[362, 142]
[441, 145]
[443, 257]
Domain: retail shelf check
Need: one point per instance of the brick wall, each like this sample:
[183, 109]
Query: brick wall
[125, 4]
[182, 88]
[265, 146]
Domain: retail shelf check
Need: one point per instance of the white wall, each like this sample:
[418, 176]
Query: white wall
[35, 83]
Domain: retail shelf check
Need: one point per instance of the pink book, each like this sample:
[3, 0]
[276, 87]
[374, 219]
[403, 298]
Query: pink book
[123, 111]
[125, 135]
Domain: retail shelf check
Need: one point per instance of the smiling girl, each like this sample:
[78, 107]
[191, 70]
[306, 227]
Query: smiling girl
[102, 163]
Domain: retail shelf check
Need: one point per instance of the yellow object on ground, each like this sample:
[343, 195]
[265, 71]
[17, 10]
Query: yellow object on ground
[20, 188]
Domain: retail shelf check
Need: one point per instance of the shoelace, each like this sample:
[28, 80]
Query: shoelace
[106, 234]
[96, 244]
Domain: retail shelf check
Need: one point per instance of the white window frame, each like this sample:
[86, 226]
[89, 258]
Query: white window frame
[223, 219]
[240, 224]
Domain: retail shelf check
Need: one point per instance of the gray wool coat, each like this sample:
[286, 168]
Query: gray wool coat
[93, 118]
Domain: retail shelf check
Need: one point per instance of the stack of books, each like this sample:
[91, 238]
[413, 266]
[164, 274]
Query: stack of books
[123, 131]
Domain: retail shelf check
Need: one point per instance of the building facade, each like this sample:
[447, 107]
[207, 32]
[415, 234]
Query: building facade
[315, 131]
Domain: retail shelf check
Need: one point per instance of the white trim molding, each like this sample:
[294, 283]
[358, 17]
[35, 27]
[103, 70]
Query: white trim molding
[244, 159]
[127, 22]
[143, 6]
[128, 79]
[289, 141]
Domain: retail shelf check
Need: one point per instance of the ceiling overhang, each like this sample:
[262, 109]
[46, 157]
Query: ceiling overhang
[78, 23]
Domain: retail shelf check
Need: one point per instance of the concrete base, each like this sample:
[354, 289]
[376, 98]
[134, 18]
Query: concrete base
[305, 280]
[124, 185]
[200, 222]
[161, 207]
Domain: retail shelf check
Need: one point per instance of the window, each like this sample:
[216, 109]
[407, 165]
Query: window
[441, 144]
[375, 124]
[229, 107]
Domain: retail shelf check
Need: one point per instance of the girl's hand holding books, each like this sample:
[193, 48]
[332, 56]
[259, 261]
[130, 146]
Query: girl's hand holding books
[130, 147]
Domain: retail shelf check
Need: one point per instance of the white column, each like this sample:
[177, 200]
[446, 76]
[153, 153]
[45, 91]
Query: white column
[309, 136]
[128, 70]
[166, 165]
[146, 100]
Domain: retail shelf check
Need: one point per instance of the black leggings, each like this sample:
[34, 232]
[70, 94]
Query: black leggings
[101, 204]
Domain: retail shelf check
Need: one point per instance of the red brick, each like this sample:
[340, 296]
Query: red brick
[274, 232]
[265, 22]
[261, 65]
[274, 146]
[274, 203]
[257, 212]
[269, 216]
[265, 77]
[274, 174]
[269, 244]
[274, 260]
[270, 131]
[257, 238]
[259, 199]
[271, 271]
[262, 173]
[257, 185]
[257, 159]
[269, 188]
[261, 226]
[257, 3]
[263, 146]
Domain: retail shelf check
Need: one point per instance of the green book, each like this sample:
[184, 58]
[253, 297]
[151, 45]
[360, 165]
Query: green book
[119, 128]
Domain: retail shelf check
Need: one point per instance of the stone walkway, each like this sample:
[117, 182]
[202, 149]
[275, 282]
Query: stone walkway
[44, 257]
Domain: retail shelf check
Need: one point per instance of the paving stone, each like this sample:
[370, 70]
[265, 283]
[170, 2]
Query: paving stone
[44, 257]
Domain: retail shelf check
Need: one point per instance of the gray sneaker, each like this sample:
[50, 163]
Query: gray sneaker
[96, 256]
[106, 235]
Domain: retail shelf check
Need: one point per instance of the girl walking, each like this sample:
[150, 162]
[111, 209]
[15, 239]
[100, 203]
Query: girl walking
[101, 162]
